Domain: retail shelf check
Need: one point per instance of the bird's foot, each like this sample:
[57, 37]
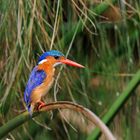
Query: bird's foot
[40, 105]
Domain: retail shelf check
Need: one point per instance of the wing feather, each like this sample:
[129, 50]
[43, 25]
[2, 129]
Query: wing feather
[36, 78]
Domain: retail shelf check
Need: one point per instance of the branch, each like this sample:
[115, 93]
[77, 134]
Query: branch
[20, 119]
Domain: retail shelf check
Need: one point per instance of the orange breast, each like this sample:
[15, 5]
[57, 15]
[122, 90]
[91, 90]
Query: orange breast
[43, 89]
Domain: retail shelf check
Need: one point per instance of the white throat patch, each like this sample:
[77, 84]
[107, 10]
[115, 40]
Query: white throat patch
[56, 64]
[42, 61]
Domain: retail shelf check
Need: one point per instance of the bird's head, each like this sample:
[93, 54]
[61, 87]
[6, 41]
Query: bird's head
[55, 58]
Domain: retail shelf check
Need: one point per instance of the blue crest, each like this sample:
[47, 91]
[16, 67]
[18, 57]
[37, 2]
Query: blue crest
[50, 53]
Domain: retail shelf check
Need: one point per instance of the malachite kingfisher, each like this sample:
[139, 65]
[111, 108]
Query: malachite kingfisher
[42, 77]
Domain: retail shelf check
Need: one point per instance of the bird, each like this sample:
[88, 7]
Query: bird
[42, 78]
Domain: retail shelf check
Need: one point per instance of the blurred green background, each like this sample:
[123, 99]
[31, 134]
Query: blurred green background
[106, 42]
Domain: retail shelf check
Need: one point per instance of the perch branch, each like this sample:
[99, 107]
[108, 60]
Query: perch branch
[20, 119]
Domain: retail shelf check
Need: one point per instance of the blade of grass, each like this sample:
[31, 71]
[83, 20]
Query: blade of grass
[97, 10]
[117, 104]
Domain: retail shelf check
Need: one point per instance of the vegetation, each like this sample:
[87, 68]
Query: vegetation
[102, 35]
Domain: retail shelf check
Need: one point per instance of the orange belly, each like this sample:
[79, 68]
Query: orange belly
[41, 90]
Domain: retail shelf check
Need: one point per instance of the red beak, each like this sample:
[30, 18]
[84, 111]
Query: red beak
[71, 63]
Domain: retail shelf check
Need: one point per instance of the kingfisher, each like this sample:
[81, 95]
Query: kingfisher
[42, 77]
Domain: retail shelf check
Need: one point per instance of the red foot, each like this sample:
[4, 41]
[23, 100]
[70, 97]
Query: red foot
[40, 105]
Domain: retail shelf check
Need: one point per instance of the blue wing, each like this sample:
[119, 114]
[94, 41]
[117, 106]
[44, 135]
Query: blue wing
[36, 78]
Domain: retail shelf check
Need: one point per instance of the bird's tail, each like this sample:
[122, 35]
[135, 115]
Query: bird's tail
[31, 109]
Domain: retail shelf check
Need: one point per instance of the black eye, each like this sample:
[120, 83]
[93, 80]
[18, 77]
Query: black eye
[56, 57]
